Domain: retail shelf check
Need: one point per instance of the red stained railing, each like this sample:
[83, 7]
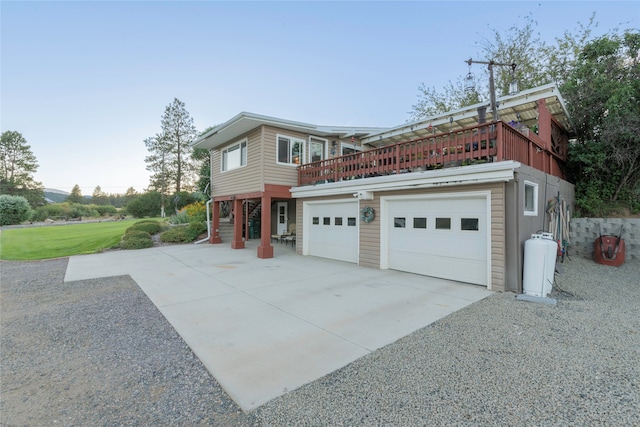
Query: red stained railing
[489, 142]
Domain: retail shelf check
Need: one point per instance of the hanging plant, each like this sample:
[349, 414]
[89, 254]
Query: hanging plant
[367, 214]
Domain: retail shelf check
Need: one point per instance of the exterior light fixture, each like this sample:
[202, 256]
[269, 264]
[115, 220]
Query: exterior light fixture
[513, 86]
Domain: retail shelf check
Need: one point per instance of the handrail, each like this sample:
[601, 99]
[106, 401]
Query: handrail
[487, 142]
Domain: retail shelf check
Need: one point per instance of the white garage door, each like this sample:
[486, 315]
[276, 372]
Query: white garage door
[443, 237]
[332, 230]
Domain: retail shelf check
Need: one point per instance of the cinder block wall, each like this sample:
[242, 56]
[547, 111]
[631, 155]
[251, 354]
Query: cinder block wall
[584, 231]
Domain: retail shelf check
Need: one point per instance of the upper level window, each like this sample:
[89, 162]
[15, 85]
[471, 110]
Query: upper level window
[290, 150]
[530, 198]
[234, 156]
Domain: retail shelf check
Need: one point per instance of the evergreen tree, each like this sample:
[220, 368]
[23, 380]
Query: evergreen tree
[17, 166]
[76, 195]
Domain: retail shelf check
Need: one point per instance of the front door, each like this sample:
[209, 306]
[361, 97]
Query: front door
[281, 228]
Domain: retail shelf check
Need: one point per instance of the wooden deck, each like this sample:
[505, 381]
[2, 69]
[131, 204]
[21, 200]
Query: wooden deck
[488, 142]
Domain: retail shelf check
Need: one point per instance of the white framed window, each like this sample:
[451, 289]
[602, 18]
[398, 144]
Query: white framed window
[290, 151]
[530, 198]
[234, 156]
[317, 149]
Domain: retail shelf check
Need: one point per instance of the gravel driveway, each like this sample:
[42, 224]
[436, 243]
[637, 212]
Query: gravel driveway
[98, 352]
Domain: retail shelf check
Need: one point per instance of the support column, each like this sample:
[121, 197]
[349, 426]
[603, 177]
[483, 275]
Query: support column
[215, 223]
[544, 124]
[265, 250]
[237, 242]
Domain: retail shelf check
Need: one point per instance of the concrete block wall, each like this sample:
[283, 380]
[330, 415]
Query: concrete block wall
[584, 232]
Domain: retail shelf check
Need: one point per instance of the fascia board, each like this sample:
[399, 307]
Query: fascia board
[463, 175]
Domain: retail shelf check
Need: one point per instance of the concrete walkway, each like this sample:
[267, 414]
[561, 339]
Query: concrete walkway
[263, 327]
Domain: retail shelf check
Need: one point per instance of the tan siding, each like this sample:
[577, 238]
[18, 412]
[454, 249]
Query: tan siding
[246, 179]
[299, 231]
[370, 233]
[275, 173]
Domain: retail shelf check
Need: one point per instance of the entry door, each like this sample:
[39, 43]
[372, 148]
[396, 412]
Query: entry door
[317, 149]
[282, 217]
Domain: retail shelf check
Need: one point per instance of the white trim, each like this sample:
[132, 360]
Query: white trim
[473, 174]
[226, 149]
[306, 222]
[534, 211]
[384, 212]
[325, 151]
[292, 139]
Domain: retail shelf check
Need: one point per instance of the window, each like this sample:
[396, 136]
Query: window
[290, 150]
[530, 198]
[351, 221]
[316, 149]
[326, 220]
[469, 224]
[399, 222]
[316, 220]
[234, 156]
[420, 223]
[337, 220]
[443, 223]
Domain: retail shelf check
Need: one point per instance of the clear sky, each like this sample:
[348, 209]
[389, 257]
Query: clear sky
[86, 82]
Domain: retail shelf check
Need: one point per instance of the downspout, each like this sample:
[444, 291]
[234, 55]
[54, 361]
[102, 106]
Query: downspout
[208, 204]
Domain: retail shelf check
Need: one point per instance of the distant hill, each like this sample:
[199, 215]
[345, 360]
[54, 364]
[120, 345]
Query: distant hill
[56, 196]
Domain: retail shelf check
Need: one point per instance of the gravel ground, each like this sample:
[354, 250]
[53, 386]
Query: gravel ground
[98, 352]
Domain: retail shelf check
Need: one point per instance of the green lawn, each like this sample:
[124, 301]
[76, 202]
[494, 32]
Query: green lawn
[32, 243]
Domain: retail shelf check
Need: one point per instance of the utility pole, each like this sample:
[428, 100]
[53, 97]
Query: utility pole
[513, 87]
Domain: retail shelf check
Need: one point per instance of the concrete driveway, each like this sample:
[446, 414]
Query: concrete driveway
[263, 327]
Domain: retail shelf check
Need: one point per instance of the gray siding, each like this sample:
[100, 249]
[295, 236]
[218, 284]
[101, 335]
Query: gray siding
[521, 227]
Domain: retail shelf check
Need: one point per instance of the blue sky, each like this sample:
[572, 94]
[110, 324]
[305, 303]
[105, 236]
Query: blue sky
[86, 82]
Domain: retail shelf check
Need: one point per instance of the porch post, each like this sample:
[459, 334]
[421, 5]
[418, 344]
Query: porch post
[265, 250]
[215, 223]
[237, 242]
[544, 123]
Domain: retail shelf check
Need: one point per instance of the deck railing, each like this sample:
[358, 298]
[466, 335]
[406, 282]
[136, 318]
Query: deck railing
[488, 142]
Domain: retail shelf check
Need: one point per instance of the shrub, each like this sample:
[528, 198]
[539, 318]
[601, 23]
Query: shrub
[179, 218]
[197, 212]
[132, 234]
[183, 234]
[14, 209]
[147, 204]
[180, 200]
[105, 210]
[149, 225]
[136, 243]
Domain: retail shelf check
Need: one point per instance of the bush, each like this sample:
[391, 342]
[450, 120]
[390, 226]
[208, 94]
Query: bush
[183, 234]
[134, 234]
[197, 212]
[14, 209]
[105, 210]
[136, 243]
[150, 226]
[179, 218]
[65, 211]
[147, 204]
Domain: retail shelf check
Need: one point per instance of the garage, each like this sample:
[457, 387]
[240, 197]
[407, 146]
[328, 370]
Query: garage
[445, 236]
[331, 229]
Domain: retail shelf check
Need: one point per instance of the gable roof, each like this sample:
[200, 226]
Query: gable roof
[245, 122]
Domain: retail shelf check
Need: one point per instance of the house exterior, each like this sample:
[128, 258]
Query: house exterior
[453, 196]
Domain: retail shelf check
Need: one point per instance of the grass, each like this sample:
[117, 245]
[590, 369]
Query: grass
[34, 243]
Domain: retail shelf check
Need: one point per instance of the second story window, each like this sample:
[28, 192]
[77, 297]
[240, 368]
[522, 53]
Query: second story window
[234, 156]
[290, 150]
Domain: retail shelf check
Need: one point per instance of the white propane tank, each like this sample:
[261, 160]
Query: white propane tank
[539, 264]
